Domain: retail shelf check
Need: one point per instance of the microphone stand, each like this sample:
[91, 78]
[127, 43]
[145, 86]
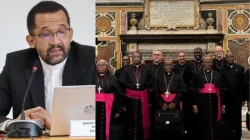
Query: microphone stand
[24, 128]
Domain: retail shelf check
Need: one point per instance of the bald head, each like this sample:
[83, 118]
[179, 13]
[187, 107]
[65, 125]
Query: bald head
[229, 54]
[197, 49]
[198, 53]
[102, 61]
[219, 52]
[218, 48]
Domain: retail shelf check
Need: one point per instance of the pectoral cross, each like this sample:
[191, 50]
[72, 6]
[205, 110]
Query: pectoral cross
[137, 85]
[209, 89]
[99, 89]
[167, 93]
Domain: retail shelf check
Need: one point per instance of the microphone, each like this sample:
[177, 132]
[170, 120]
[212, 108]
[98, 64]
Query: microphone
[34, 69]
[25, 128]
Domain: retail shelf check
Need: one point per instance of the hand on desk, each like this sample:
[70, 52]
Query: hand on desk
[28, 113]
[41, 113]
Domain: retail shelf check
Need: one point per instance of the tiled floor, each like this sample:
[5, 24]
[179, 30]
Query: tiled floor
[245, 134]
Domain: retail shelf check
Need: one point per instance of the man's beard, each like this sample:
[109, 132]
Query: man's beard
[54, 60]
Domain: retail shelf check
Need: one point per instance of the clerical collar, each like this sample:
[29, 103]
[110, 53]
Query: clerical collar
[124, 67]
[230, 65]
[199, 60]
[207, 71]
[156, 63]
[182, 64]
[52, 67]
[219, 59]
[137, 65]
[168, 73]
[102, 74]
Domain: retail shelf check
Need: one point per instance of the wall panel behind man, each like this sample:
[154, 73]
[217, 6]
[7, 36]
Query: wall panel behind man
[13, 29]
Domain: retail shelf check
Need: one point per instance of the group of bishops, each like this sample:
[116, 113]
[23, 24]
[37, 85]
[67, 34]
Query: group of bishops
[208, 91]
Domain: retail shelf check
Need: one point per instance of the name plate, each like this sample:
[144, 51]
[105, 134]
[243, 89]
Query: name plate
[82, 128]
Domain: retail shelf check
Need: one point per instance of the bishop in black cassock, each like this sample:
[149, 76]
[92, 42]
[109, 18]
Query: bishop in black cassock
[209, 103]
[136, 80]
[109, 105]
[168, 89]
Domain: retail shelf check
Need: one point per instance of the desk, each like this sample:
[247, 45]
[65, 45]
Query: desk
[54, 138]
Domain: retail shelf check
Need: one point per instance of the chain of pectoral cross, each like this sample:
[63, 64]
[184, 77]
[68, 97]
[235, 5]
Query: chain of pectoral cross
[210, 83]
[137, 74]
[100, 83]
[168, 84]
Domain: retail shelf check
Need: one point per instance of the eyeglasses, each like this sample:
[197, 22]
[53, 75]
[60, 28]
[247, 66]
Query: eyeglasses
[61, 34]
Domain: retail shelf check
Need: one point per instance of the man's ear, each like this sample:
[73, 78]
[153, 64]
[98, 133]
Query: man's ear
[71, 34]
[30, 40]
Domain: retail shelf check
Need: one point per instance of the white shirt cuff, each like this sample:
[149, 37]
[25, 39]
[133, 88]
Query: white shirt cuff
[3, 125]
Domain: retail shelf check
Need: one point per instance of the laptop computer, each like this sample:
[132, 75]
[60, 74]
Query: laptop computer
[71, 103]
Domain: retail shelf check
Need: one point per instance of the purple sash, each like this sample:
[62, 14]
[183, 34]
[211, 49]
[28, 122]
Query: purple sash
[170, 98]
[211, 89]
[108, 98]
[143, 96]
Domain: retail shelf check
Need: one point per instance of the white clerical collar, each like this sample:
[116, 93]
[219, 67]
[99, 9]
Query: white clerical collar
[54, 67]
[182, 64]
[169, 73]
[231, 66]
[208, 71]
[219, 59]
[198, 61]
[156, 63]
[137, 65]
[102, 74]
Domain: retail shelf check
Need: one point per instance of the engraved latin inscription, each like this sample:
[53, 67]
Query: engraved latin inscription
[168, 13]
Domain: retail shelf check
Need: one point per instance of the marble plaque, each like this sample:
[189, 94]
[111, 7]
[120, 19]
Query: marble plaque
[168, 13]
[119, 1]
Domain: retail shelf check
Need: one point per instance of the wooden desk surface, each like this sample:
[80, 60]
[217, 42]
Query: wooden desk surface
[54, 138]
